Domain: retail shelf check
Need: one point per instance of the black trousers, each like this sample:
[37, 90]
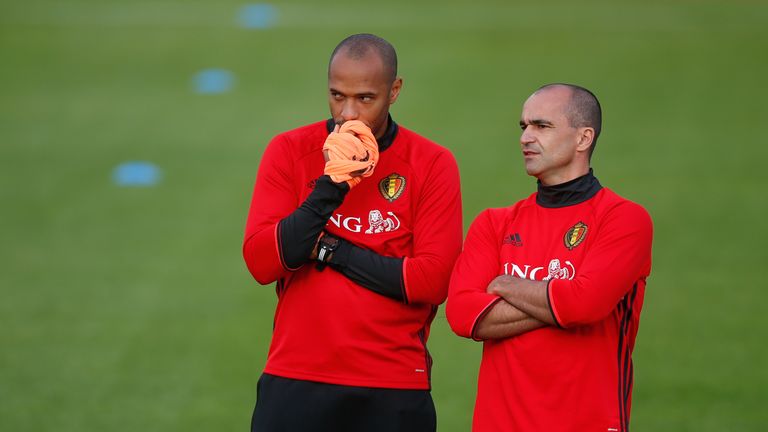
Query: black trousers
[288, 405]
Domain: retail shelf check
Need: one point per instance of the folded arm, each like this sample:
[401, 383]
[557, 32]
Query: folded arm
[504, 321]
[473, 311]
[281, 231]
[619, 256]
[423, 276]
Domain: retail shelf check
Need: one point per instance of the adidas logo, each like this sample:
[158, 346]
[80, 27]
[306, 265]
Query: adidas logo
[513, 239]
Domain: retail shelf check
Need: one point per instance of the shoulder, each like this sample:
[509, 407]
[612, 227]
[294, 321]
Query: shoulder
[622, 210]
[412, 137]
[416, 147]
[501, 216]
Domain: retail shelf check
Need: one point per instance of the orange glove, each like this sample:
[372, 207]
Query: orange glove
[351, 153]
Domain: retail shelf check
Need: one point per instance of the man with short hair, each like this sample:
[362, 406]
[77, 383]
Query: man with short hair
[553, 285]
[358, 219]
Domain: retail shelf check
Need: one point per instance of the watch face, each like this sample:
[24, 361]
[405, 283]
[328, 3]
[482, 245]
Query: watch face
[330, 242]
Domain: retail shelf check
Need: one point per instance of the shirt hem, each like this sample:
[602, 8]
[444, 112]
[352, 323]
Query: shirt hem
[331, 379]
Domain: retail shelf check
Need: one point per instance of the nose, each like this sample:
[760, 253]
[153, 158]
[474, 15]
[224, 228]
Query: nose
[526, 137]
[349, 111]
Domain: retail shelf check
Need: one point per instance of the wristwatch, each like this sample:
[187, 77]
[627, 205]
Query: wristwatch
[326, 246]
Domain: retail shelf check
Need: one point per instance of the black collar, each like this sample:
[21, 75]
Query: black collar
[569, 193]
[384, 142]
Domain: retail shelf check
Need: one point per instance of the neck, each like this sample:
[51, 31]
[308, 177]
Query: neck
[383, 129]
[572, 192]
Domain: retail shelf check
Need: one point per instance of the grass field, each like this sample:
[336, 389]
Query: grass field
[125, 309]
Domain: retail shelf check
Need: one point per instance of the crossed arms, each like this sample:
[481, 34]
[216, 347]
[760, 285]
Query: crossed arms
[507, 306]
[522, 307]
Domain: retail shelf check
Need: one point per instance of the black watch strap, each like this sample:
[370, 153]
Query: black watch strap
[325, 247]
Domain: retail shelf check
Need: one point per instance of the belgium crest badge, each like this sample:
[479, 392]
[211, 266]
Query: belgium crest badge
[575, 235]
[392, 186]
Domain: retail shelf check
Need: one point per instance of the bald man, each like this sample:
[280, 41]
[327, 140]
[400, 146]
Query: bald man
[359, 271]
[553, 285]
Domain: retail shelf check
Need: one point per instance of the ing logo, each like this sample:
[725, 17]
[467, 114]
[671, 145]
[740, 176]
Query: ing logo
[377, 222]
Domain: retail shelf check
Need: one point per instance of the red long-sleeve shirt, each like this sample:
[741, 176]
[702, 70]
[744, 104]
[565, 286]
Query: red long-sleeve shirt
[327, 327]
[576, 376]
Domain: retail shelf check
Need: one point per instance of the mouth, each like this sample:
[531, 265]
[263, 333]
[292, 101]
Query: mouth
[529, 153]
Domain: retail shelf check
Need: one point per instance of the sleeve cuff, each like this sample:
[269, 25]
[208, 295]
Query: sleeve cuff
[551, 305]
[404, 282]
[479, 318]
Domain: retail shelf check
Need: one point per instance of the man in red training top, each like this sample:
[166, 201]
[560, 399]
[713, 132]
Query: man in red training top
[348, 349]
[554, 284]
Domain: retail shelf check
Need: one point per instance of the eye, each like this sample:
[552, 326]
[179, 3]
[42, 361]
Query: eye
[366, 98]
[336, 95]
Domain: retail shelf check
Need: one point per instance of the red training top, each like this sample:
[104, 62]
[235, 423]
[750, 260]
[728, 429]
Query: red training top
[328, 328]
[578, 376]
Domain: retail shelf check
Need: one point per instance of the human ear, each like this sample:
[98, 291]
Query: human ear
[586, 137]
[394, 91]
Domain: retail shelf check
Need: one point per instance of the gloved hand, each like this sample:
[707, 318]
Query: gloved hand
[351, 153]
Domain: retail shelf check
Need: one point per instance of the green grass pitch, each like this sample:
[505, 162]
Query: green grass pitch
[126, 309]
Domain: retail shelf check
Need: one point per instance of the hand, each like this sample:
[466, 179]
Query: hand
[325, 152]
[502, 284]
[350, 153]
[313, 255]
[529, 296]
[327, 157]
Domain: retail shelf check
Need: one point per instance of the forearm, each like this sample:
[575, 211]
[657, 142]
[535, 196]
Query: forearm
[504, 321]
[528, 296]
[298, 232]
[378, 273]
